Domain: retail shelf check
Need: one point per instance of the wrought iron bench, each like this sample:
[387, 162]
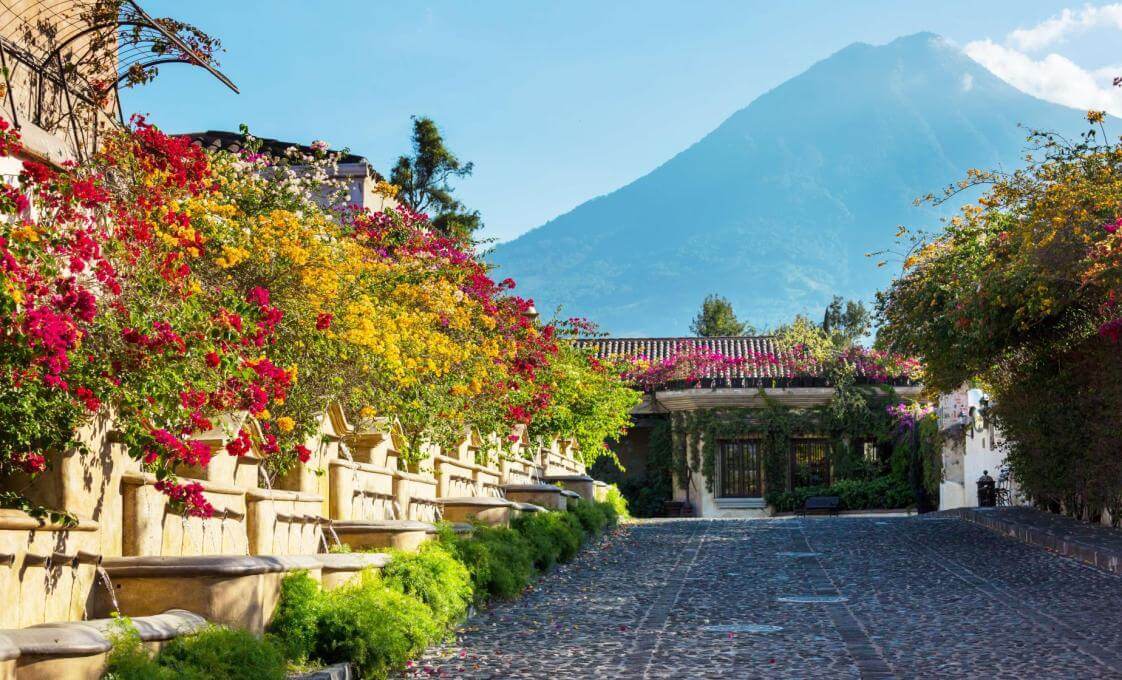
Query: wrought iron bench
[820, 504]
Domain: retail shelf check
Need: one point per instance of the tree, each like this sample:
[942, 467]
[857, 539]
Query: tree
[716, 318]
[1020, 291]
[846, 326]
[423, 181]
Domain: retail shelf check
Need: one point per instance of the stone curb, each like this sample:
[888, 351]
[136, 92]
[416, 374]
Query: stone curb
[1096, 556]
[340, 671]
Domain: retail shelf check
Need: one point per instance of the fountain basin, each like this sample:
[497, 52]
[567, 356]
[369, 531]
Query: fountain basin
[9, 658]
[234, 590]
[582, 485]
[487, 510]
[547, 496]
[52, 651]
[520, 509]
[415, 493]
[155, 631]
[400, 534]
[340, 569]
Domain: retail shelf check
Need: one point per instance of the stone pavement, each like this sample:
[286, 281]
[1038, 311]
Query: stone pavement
[1091, 543]
[906, 598]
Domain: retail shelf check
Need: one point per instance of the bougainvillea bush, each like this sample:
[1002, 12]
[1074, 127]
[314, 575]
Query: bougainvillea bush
[183, 291]
[1021, 291]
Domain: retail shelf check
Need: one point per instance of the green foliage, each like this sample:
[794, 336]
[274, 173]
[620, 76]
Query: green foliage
[804, 333]
[590, 400]
[855, 414]
[553, 537]
[294, 622]
[373, 626]
[1019, 292]
[424, 182]
[846, 326]
[883, 492]
[499, 560]
[618, 501]
[434, 576]
[1059, 415]
[214, 652]
[645, 493]
[593, 517]
[717, 318]
[128, 659]
[222, 652]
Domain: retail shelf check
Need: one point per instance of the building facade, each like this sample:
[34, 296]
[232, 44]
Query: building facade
[717, 424]
[972, 446]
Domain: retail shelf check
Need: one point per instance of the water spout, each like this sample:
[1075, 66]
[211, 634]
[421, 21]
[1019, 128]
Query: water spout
[84, 557]
[104, 577]
[58, 559]
[334, 536]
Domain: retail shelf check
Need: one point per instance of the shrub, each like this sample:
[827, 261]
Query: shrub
[218, 652]
[434, 576]
[294, 622]
[128, 660]
[552, 536]
[593, 517]
[499, 560]
[618, 503]
[373, 626]
[611, 513]
[883, 492]
[214, 652]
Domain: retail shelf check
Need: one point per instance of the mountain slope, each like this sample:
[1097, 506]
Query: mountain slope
[776, 208]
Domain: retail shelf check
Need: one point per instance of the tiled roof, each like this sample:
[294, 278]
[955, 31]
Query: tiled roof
[657, 349]
[215, 140]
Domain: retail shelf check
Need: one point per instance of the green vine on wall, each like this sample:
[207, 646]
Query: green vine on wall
[853, 412]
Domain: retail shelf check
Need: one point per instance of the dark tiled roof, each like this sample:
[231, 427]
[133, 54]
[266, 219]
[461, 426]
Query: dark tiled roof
[657, 349]
[215, 140]
[784, 370]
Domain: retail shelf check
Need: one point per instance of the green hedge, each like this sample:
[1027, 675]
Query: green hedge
[499, 560]
[384, 620]
[214, 652]
[881, 493]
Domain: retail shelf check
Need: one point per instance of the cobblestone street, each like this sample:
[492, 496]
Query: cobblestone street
[919, 598]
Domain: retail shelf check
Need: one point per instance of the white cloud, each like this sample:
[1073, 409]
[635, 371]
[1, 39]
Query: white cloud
[1056, 28]
[1053, 76]
[967, 82]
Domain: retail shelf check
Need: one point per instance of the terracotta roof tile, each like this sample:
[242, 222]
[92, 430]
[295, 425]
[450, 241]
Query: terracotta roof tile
[657, 349]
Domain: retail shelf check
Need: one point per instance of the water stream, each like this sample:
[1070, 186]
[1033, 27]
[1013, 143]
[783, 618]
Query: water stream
[334, 536]
[103, 576]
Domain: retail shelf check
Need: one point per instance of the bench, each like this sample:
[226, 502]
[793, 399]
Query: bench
[820, 504]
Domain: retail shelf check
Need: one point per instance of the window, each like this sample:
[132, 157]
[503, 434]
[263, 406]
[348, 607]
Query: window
[810, 462]
[739, 469]
[871, 452]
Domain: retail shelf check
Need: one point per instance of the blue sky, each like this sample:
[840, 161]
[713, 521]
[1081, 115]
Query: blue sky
[558, 102]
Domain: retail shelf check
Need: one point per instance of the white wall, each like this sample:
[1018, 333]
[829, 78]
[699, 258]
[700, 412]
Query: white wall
[968, 451]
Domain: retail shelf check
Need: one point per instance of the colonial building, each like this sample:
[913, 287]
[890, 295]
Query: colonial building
[731, 475]
[972, 446]
[355, 171]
